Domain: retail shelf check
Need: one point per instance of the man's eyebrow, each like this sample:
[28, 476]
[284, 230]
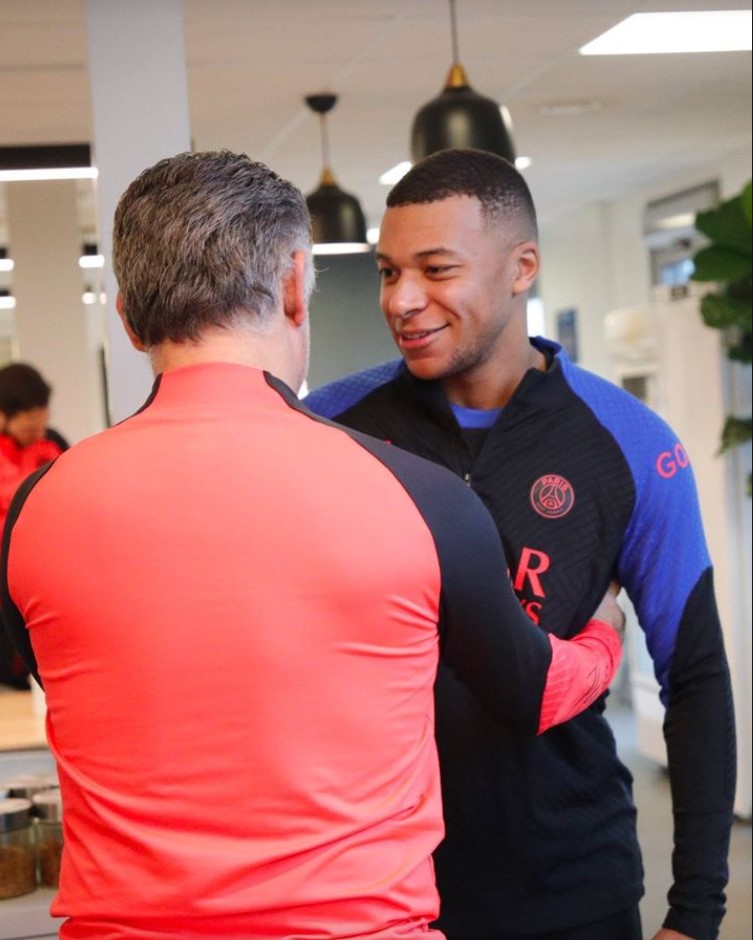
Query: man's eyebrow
[419, 255]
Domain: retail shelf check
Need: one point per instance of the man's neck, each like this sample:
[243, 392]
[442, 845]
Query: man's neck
[492, 384]
[247, 347]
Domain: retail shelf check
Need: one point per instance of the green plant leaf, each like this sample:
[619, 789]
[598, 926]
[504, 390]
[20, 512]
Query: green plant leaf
[720, 311]
[741, 290]
[741, 351]
[736, 431]
[747, 200]
[727, 261]
[727, 225]
[720, 263]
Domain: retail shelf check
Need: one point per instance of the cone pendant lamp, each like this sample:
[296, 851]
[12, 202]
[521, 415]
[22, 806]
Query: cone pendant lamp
[337, 220]
[460, 116]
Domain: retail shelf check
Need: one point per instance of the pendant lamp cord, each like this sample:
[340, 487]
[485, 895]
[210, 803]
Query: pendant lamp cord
[454, 30]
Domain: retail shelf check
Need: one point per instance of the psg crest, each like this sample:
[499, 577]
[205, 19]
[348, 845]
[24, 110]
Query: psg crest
[552, 496]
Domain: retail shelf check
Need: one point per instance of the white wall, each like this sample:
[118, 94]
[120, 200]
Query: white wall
[139, 87]
[595, 261]
[53, 328]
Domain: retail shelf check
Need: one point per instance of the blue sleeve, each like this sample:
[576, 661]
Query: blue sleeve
[336, 397]
[664, 553]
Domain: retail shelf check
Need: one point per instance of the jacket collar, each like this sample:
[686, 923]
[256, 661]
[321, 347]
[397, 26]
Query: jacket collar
[537, 391]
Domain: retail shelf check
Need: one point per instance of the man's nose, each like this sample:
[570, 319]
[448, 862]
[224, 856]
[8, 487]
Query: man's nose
[405, 298]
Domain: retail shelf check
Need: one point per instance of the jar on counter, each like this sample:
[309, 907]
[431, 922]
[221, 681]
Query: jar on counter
[24, 787]
[18, 868]
[49, 780]
[48, 808]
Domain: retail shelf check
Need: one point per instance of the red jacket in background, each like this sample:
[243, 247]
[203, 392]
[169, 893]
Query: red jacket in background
[16, 463]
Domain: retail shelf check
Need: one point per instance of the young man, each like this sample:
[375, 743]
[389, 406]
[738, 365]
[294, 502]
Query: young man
[26, 443]
[541, 838]
[235, 608]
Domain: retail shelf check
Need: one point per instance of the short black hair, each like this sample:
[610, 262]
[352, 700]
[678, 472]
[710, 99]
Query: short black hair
[503, 193]
[21, 389]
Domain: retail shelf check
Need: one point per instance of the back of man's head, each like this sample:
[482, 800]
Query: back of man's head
[22, 388]
[203, 240]
[503, 193]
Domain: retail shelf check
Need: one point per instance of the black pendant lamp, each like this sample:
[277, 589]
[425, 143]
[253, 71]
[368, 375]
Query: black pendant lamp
[460, 116]
[337, 220]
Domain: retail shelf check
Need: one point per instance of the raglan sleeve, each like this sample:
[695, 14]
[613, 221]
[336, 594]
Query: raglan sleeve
[335, 398]
[666, 570]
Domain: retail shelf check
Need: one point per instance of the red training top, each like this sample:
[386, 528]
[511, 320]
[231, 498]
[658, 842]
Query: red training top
[234, 608]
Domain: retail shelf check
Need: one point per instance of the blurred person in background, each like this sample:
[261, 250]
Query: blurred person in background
[26, 443]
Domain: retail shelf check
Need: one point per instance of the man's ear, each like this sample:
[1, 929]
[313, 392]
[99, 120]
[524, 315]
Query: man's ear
[135, 341]
[294, 300]
[527, 261]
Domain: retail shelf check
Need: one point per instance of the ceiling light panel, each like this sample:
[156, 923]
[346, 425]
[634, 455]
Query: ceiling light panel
[646, 33]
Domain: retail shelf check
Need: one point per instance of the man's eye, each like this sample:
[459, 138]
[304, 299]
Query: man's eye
[386, 273]
[439, 270]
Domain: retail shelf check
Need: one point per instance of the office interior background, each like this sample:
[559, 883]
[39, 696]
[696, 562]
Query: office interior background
[623, 151]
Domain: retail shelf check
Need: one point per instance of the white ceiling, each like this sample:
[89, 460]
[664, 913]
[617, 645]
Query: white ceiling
[251, 62]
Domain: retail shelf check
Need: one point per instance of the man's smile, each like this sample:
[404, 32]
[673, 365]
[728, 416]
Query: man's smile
[413, 337]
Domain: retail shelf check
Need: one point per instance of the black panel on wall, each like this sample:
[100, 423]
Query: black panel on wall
[348, 331]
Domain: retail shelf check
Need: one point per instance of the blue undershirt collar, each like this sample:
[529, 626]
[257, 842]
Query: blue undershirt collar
[475, 417]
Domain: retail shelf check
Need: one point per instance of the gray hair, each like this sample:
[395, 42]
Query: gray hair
[204, 240]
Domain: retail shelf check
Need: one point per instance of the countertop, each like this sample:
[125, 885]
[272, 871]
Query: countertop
[28, 916]
[21, 727]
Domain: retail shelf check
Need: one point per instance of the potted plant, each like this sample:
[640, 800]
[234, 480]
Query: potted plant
[728, 262]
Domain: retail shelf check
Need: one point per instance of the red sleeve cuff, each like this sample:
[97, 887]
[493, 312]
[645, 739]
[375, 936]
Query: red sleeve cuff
[580, 671]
